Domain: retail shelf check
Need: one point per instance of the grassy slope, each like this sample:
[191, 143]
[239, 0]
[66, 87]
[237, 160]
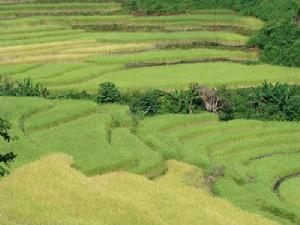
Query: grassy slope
[251, 154]
[81, 129]
[179, 76]
[100, 139]
[290, 191]
[116, 198]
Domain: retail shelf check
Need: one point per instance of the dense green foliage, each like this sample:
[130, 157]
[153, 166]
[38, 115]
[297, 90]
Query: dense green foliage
[146, 104]
[25, 88]
[226, 108]
[5, 158]
[108, 93]
[265, 102]
[4, 127]
[277, 101]
[264, 9]
[279, 42]
[157, 6]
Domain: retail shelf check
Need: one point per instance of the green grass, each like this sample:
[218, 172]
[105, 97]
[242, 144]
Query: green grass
[73, 46]
[179, 76]
[78, 128]
[125, 20]
[251, 154]
[165, 56]
[58, 9]
[290, 191]
[116, 198]
[218, 37]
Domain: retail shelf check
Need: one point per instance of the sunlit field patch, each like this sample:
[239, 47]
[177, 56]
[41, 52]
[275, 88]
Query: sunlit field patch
[114, 198]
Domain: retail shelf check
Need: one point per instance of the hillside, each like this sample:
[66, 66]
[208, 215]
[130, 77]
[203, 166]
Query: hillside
[152, 155]
[113, 198]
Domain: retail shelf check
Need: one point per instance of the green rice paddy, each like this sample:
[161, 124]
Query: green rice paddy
[159, 170]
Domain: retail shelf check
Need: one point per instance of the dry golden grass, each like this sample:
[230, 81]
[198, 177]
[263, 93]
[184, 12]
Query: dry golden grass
[64, 51]
[49, 191]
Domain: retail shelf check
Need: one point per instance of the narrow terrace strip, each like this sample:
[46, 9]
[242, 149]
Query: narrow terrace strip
[187, 61]
[269, 155]
[278, 182]
[63, 121]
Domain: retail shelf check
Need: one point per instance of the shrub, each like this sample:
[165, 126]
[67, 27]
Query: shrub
[24, 88]
[279, 42]
[146, 104]
[108, 93]
[6, 158]
[268, 10]
[28, 88]
[226, 108]
[182, 101]
[6, 86]
[4, 127]
[278, 102]
[149, 7]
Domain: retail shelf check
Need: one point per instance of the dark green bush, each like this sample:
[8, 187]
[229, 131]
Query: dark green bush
[149, 7]
[182, 101]
[4, 127]
[28, 88]
[108, 93]
[226, 108]
[279, 42]
[24, 88]
[6, 158]
[268, 10]
[179, 101]
[276, 102]
[146, 104]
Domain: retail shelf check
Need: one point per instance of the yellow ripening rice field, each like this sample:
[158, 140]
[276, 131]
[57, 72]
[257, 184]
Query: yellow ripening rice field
[50, 191]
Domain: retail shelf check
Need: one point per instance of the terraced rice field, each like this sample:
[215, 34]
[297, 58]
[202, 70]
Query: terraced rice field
[111, 199]
[69, 45]
[81, 129]
[243, 156]
[75, 45]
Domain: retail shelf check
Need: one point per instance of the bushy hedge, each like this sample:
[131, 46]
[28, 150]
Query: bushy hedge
[264, 102]
[268, 10]
[108, 93]
[9, 87]
[150, 7]
[279, 43]
[24, 88]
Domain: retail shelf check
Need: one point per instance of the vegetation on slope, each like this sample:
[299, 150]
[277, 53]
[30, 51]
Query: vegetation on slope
[69, 46]
[279, 41]
[79, 77]
[179, 197]
[240, 156]
[243, 158]
[264, 9]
